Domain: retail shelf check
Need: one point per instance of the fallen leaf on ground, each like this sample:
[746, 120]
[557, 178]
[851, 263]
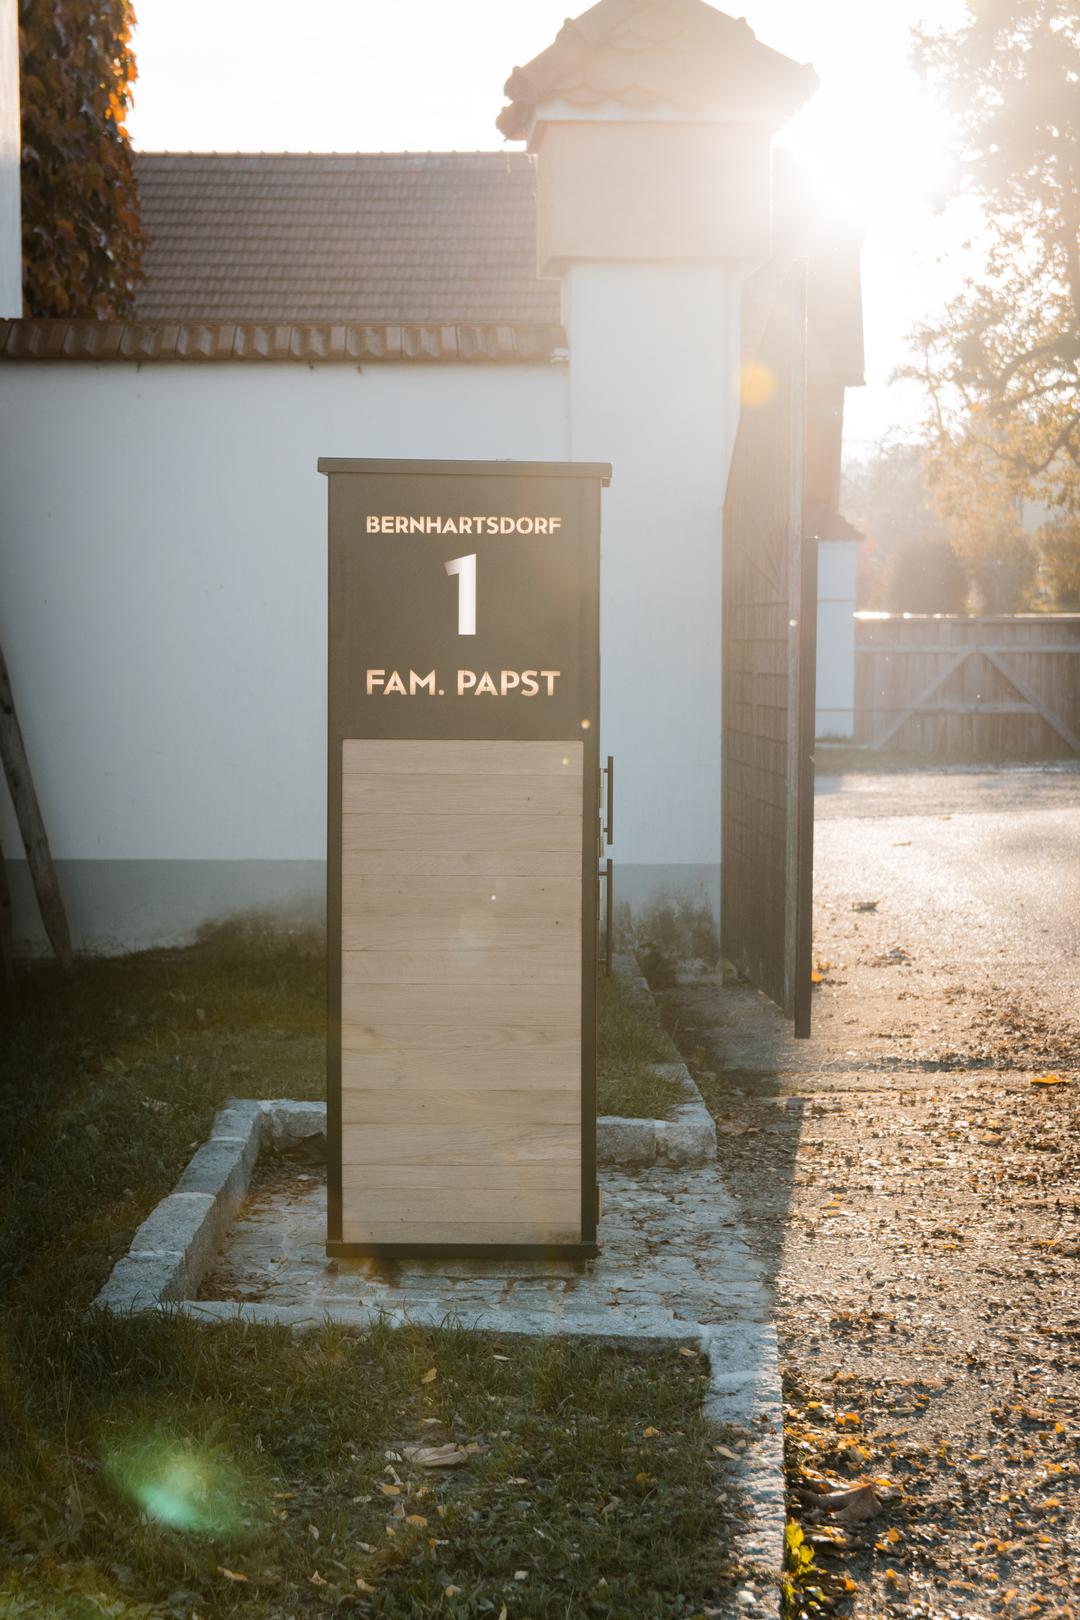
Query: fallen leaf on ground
[448, 1456]
[362, 1585]
[1049, 1080]
[231, 1574]
[430, 1376]
[860, 1502]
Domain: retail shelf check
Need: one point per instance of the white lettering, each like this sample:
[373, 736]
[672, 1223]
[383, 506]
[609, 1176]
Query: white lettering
[395, 684]
[509, 679]
[551, 676]
[421, 683]
[486, 686]
[375, 677]
[466, 680]
[529, 684]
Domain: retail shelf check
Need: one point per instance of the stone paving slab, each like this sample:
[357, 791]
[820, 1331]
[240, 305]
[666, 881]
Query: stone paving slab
[670, 1252]
[673, 1267]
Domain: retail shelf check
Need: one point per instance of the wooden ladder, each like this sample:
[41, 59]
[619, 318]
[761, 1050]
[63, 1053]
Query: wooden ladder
[35, 842]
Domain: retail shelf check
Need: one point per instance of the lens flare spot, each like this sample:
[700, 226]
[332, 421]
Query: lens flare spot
[181, 1484]
[757, 384]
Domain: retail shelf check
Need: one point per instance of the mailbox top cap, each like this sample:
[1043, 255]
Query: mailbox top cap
[471, 469]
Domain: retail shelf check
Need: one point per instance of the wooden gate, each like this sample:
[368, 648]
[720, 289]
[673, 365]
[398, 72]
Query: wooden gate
[769, 630]
[944, 687]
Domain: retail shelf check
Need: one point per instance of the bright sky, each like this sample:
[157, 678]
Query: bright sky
[426, 75]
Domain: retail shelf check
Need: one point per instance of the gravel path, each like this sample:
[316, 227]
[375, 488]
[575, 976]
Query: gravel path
[916, 1197]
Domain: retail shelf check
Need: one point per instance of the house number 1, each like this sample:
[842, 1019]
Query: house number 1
[465, 569]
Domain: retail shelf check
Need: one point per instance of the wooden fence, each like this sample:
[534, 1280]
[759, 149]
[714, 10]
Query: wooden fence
[944, 687]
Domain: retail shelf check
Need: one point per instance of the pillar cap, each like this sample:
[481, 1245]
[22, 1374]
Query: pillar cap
[656, 58]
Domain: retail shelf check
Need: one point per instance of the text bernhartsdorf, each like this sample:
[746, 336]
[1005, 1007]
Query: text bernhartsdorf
[463, 525]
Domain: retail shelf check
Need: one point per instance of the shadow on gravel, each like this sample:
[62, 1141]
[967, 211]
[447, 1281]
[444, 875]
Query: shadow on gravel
[739, 1049]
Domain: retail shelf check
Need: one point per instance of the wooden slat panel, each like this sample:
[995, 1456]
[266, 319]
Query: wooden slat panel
[472, 1143]
[461, 1051]
[455, 832]
[531, 1203]
[461, 1006]
[404, 1068]
[522, 1045]
[476, 930]
[451, 1232]
[537, 964]
[455, 758]
[531, 1105]
[442, 794]
[507, 1179]
[450, 896]
[420, 862]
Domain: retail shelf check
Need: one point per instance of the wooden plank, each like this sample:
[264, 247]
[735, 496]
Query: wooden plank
[420, 862]
[522, 1105]
[451, 894]
[439, 793]
[486, 759]
[405, 1068]
[461, 1006]
[941, 675]
[480, 833]
[532, 1203]
[517, 1043]
[1032, 697]
[495, 966]
[31, 823]
[501, 1178]
[468, 931]
[455, 1232]
[471, 1143]
[7, 926]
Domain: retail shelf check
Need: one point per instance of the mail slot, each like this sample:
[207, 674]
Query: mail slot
[462, 801]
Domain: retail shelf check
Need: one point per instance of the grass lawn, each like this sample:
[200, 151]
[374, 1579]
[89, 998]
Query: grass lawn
[152, 1467]
[630, 1038]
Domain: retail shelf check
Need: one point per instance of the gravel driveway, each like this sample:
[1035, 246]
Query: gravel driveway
[912, 1177]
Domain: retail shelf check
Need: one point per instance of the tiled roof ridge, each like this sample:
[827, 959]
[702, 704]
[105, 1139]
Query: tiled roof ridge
[500, 154]
[308, 343]
[616, 51]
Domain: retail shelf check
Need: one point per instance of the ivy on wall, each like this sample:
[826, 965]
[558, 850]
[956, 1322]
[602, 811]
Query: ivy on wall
[82, 240]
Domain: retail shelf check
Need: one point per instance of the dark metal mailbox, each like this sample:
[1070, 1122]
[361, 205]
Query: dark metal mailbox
[462, 856]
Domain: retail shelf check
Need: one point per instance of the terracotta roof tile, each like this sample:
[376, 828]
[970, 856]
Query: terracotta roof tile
[215, 341]
[393, 238]
[681, 53]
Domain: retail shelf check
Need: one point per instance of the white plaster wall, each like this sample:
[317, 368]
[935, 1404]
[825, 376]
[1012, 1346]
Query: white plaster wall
[837, 563]
[10, 215]
[654, 359]
[163, 583]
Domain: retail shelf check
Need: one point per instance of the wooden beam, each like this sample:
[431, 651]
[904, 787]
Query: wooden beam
[924, 696]
[1031, 696]
[31, 826]
[7, 926]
